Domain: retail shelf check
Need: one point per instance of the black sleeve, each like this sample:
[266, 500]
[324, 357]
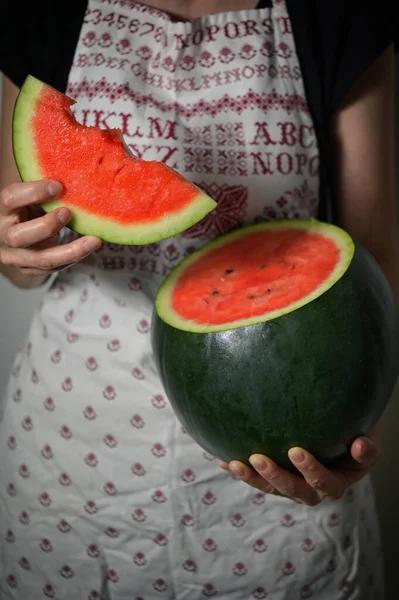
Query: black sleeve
[39, 38]
[337, 40]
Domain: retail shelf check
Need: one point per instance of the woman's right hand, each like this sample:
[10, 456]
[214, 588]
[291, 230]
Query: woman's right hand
[29, 239]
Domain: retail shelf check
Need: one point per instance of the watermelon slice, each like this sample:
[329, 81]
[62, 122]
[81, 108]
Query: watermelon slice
[110, 193]
[277, 335]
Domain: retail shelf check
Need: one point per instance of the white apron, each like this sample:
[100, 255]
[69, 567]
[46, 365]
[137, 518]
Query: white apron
[102, 494]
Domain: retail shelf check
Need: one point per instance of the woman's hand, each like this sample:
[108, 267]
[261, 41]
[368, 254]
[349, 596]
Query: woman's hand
[29, 238]
[316, 482]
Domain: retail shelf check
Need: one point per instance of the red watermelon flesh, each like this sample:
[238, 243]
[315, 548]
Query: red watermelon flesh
[110, 193]
[264, 271]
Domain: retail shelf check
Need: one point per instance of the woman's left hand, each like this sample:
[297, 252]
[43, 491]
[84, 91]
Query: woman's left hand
[317, 482]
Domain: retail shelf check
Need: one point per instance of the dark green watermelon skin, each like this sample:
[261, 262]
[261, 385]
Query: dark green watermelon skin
[317, 377]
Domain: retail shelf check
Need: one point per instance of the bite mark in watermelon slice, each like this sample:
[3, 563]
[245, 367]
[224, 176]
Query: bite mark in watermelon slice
[254, 274]
[111, 194]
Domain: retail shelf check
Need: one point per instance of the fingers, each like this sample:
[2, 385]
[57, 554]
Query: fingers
[32, 232]
[315, 482]
[323, 481]
[50, 259]
[270, 478]
[249, 476]
[19, 195]
[32, 245]
[286, 483]
[267, 477]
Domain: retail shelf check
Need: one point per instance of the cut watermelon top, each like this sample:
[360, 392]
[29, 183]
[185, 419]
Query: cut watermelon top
[254, 274]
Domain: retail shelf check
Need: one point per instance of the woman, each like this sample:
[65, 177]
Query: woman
[102, 493]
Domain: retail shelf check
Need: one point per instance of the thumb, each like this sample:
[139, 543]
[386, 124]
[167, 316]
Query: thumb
[364, 451]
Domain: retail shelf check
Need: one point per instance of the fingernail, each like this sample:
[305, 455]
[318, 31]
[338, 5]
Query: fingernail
[222, 464]
[54, 188]
[237, 470]
[90, 244]
[259, 464]
[296, 455]
[63, 215]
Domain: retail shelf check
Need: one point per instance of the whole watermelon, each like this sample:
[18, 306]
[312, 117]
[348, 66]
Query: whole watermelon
[277, 335]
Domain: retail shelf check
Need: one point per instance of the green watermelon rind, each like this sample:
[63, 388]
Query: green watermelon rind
[22, 144]
[84, 222]
[87, 224]
[163, 301]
